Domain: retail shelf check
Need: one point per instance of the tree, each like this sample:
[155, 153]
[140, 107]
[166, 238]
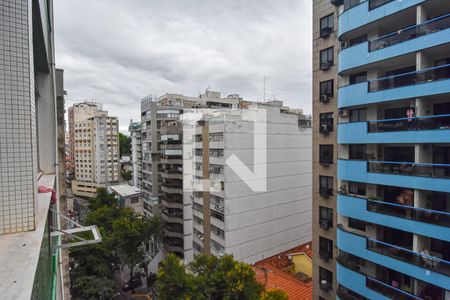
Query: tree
[123, 234]
[126, 175]
[274, 295]
[124, 144]
[208, 278]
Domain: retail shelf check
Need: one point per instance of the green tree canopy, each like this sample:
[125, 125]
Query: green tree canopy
[124, 144]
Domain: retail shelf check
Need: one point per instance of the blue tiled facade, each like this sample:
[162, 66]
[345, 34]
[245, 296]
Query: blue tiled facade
[393, 136]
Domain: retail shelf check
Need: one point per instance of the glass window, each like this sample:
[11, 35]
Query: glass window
[325, 248]
[325, 279]
[358, 40]
[357, 188]
[326, 213]
[325, 186]
[326, 154]
[327, 88]
[326, 25]
[326, 58]
[358, 115]
[326, 122]
[357, 151]
[358, 78]
[356, 224]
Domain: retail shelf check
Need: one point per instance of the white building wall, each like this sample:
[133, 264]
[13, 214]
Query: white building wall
[262, 224]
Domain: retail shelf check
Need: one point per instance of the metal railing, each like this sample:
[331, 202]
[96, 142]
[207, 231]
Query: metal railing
[388, 290]
[415, 123]
[409, 33]
[410, 78]
[348, 4]
[414, 213]
[409, 169]
[419, 259]
[377, 3]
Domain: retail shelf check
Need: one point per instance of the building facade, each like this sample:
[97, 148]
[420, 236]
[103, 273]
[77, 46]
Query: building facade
[233, 218]
[393, 180]
[325, 97]
[31, 151]
[94, 148]
[136, 152]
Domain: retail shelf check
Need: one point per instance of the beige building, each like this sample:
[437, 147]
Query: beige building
[325, 50]
[94, 148]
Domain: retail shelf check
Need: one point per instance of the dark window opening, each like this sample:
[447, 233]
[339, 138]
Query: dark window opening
[357, 188]
[326, 25]
[325, 248]
[358, 78]
[325, 217]
[357, 151]
[326, 122]
[325, 186]
[326, 90]
[357, 224]
[326, 58]
[325, 279]
[358, 115]
[326, 154]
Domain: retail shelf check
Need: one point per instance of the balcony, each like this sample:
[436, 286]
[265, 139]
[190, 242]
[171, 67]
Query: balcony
[428, 82]
[423, 176]
[423, 267]
[430, 34]
[172, 217]
[426, 129]
[431, 223]
[362, 12]
[357, 282]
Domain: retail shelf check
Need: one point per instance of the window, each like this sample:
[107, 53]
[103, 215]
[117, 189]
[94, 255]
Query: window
[325, 248]
[325, 279]
[326, 90]
[217, 215]
[326, 154]
[356, 224]
[325, 186]
[357, 151]
[358, 115]
[326, 58]
[358, 40]
[358, 77]
[357, 188]
[326, 25]
[326, 122]
[325, 217]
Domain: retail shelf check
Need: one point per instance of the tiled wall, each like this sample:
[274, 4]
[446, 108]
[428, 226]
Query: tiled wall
[18, 143]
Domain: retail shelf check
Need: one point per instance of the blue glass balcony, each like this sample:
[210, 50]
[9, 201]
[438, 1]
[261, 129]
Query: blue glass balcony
[432, 33]
[423, 267]
[356, 282]
[429, 177]
[426, 129]
[426, 222]
[357, 15]
[428, 82]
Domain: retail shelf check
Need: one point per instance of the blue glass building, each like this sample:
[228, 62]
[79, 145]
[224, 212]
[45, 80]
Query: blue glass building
[393, 136]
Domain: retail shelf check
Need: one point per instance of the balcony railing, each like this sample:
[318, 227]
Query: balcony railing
[419, 259]
[410, 78]
[347, 294]
[348, 4]
[388, 290]
[410, 169]
[377, 3]
[408, 212]
[416, 123]
[409, 33]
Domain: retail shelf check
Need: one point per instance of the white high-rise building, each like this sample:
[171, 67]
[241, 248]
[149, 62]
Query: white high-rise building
[95, 148]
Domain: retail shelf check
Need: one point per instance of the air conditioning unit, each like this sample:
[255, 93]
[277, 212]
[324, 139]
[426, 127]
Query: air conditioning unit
[325, 98]
[343, 112]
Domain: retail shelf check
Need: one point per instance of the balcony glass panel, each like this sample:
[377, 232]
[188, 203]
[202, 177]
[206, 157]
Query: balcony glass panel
[419, 259]
[377, 3]
[410, 78]
[416, 123]
[410, 169]
[410, 33]
[413, 213]
[388, 290]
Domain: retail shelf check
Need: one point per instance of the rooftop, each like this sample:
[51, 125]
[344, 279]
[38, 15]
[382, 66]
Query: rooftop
[125, 190]
[281, 271]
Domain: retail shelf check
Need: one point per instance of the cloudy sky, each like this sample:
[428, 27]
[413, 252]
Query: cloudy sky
[117, 51]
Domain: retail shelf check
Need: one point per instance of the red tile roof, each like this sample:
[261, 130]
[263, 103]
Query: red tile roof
[271, 272]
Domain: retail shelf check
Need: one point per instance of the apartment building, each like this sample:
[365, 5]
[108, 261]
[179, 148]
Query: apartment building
[393, 168]
[162, 164]
[325, 97]
[31, 152]
[136, 152]
[232, 218]
[94, 148]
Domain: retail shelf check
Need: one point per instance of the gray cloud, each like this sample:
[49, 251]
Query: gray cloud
[117, 51]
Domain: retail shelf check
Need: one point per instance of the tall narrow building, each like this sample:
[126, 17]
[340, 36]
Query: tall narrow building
[393, 168]
[325, 97]
[94, 148]
[135, 130]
